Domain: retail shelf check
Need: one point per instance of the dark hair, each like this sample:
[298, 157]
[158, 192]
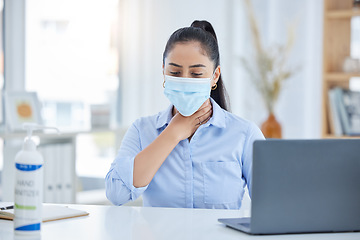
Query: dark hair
[202, 32]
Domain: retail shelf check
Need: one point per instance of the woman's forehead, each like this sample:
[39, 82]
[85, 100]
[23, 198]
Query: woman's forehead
[188, 52]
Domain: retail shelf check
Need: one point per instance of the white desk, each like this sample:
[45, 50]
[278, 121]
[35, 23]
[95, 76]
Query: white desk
[110, 222]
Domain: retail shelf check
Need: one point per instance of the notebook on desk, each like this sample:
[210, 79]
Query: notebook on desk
[303, 186]
[49, 213]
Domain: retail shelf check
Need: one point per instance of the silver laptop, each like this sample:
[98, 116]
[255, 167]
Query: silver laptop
[303, 186]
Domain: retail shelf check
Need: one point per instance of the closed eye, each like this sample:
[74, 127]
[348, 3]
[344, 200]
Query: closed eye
[196, 74]
[174, 73]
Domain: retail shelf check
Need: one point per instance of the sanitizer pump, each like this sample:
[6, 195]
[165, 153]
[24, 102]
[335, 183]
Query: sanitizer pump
[29, 185]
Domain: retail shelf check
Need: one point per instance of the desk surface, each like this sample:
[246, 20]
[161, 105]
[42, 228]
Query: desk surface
[111, 222]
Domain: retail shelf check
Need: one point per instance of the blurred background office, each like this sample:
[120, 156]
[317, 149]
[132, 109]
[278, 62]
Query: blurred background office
[96, 66]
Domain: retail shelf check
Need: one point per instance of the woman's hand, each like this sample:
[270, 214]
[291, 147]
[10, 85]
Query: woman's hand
[182, 127]
[149, 160]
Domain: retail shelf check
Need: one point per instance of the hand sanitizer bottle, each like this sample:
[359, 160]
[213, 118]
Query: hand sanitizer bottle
[28, 185]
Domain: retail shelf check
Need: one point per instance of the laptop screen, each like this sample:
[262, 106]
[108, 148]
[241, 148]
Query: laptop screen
[306, 186]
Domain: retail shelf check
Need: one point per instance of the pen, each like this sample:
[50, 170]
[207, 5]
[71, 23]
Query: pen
[6, 208]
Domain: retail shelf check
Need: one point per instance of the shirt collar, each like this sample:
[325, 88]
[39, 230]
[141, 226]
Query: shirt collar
[164, 117]
[217, 119]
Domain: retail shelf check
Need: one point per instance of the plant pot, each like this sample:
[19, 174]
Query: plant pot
[271, 128]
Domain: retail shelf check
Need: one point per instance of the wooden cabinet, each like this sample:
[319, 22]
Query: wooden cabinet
[336, 47]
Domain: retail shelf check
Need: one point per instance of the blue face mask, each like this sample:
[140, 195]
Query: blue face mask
[187, 94]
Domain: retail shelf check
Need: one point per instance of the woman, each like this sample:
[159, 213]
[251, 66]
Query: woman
[195, 154]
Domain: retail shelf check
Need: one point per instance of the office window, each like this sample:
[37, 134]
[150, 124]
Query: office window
[71, 57]
[72, 64]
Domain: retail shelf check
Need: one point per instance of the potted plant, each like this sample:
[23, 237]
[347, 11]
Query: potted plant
[268, 71]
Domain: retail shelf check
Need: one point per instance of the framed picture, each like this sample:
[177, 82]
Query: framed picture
[21, 107]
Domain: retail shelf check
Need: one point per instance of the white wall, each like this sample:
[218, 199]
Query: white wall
[146, 26]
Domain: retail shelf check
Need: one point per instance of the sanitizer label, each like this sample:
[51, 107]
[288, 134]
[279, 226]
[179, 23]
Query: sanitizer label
[28, 197]
[27, 167]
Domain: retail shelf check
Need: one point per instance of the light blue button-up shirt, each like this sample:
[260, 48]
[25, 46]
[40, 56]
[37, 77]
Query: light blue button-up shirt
[210, 171]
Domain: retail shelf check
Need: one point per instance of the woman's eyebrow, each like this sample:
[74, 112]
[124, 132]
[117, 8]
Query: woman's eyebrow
[197, 65]
[176, 65]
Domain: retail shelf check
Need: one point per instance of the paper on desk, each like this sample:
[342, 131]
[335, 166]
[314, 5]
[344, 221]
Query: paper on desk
[50, 213]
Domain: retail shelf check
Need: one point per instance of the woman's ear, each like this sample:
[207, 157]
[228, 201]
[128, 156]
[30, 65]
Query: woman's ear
[216, 75]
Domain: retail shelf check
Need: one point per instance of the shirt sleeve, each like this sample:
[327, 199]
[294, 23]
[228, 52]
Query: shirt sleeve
[254, 133]
[119, 180]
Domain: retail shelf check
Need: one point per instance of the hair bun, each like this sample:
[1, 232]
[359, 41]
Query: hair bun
[204, 25]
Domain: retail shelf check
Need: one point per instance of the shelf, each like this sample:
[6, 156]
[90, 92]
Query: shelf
[339, 76]
[63, 135]
[330, 136]
[339, 14]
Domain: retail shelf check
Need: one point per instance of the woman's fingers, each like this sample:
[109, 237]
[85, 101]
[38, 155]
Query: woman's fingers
[203, 116]
[183, 127]
[202, 111]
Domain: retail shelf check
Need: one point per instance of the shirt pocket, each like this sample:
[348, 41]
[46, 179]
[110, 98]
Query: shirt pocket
[222, 182]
